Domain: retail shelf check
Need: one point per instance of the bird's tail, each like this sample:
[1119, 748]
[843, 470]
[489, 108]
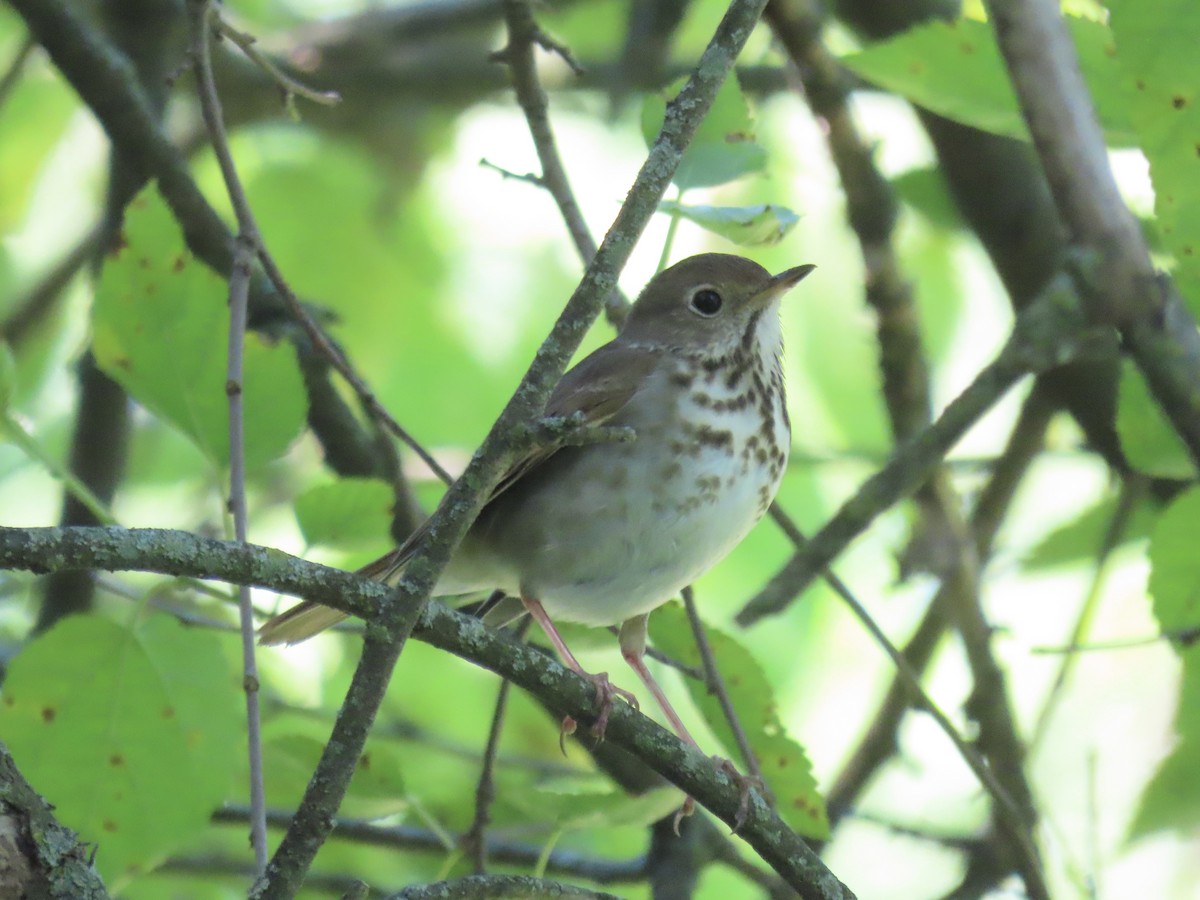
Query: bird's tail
[307, 619]
[299, 623]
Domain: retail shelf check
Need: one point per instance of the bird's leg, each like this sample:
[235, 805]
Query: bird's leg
[633, 648]
[605, 689]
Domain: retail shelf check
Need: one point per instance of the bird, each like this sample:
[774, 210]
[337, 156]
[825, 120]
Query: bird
[604, 533]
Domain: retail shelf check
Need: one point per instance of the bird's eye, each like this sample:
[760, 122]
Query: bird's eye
[706, 302]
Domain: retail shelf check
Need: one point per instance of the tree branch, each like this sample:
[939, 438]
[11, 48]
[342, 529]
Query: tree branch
[181, 553]
[1124, 291]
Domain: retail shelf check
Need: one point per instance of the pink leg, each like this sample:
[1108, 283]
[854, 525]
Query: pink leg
[633, 648]
[605, 690]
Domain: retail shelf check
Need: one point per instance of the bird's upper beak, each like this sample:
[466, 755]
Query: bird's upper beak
[782, 283]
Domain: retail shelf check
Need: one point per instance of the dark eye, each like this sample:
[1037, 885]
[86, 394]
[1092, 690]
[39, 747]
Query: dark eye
[706, 301]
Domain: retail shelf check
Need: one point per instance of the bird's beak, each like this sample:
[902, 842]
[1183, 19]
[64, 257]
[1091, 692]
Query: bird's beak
[782, 283]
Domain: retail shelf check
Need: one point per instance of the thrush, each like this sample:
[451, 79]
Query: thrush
[604, 533]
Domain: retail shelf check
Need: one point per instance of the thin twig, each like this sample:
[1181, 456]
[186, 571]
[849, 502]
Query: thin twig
[910, 678]
[287, 83]
[528, 177]
[523, 34]
[475, 839]
[31, 310]
[239, 290]
[1133, 491]
[716, 686]
[338, 360]
[880, 742]
[408, 837]
[494, 887]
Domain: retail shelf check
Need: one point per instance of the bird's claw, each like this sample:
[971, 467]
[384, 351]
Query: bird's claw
[745, 783]
[605, 692]
[689, 807]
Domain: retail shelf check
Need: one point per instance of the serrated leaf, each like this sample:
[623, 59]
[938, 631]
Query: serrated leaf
[352, 512]
[723, 148]
[1082, 537]
[1147, 437]
[132, 733]
[746, 226]
[955, 69]
[785, 765]
[161, 326]
[1160, 74]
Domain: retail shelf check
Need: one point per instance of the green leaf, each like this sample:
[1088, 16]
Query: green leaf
[38, 110]
[132, 733]
[578, 803]
[161, 328]
[785, 766]
[1147, 437]
[8, 378]
[746, 226]
[376, 788]
[1160, 74]
[1172, 798]
[350, 513]
[1175, 564]
[723, 148]
[924, 189]
[955, 69]
[1081, 538]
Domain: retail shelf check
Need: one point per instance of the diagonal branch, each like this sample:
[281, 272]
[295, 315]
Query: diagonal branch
[1048, 333]
[1125, 291]
[523, 34]
[181, 553]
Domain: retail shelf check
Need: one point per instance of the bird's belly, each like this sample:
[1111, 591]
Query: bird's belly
[627, 530]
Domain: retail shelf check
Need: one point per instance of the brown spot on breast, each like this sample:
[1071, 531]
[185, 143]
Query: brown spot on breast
[707, 436]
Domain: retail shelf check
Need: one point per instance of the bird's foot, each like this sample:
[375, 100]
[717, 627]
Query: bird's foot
[745, 784]
[689, 807]
[605, 692]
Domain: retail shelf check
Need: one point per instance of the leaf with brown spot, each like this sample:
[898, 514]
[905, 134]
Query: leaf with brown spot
[784, 763]
[1156, 52]
[150, 746]
[160, 330]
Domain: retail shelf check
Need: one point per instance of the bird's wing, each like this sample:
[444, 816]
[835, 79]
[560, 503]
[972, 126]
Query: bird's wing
[599, 387]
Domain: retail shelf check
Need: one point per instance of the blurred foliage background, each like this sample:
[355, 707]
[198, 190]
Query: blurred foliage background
[439, 276]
